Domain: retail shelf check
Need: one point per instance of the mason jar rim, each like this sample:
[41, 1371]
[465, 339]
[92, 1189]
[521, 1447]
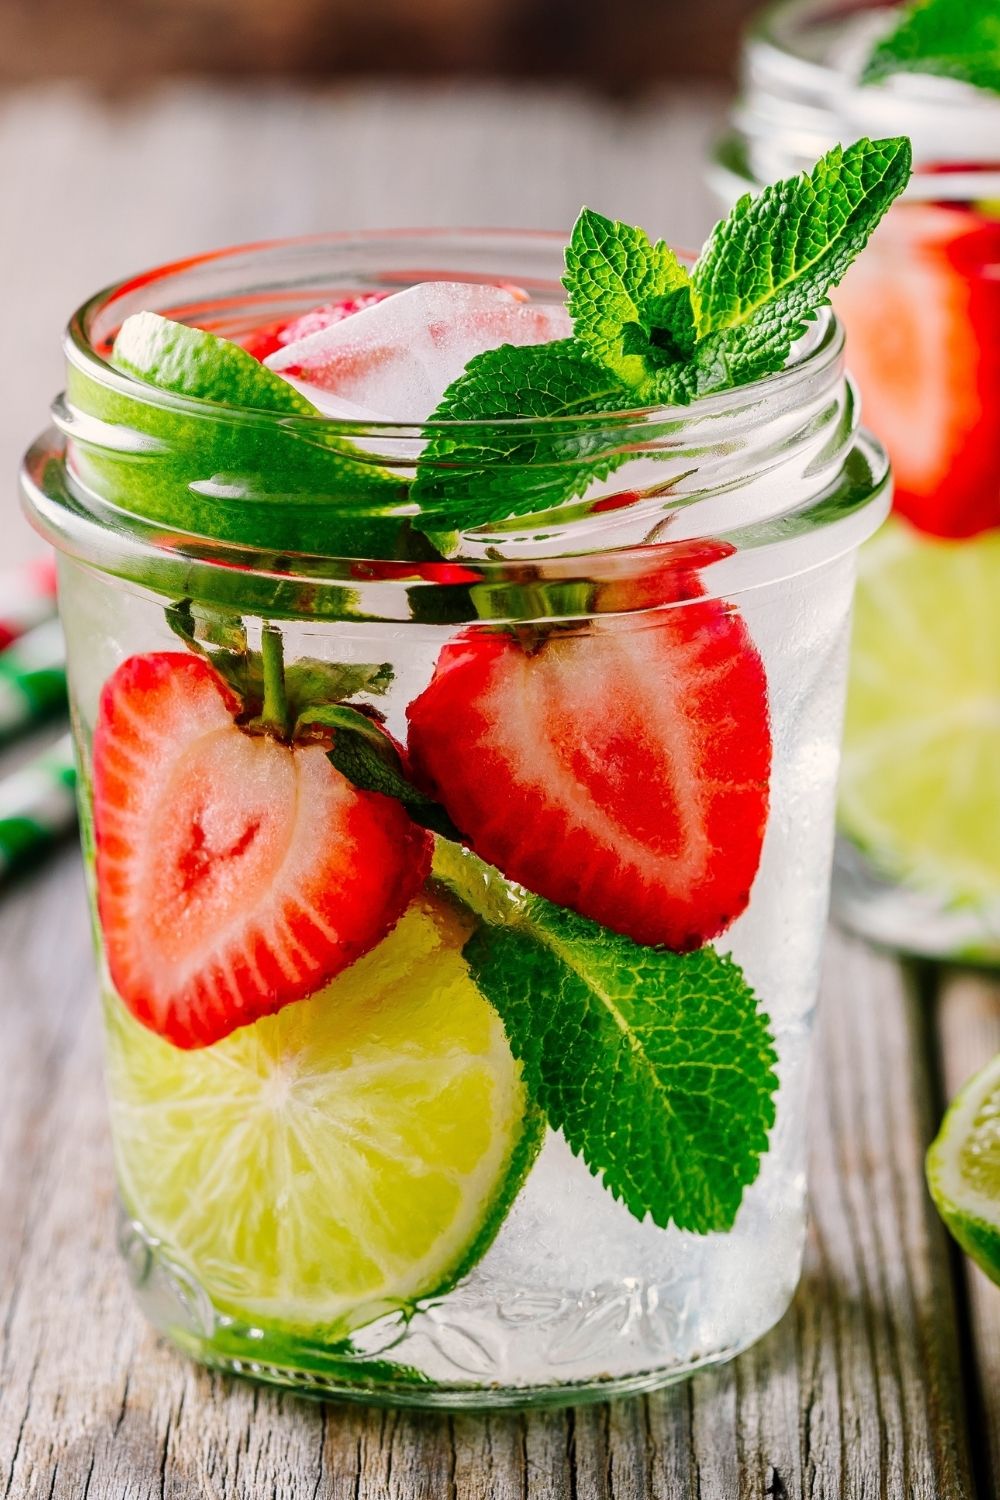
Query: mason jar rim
[815, 352]
[776, 469]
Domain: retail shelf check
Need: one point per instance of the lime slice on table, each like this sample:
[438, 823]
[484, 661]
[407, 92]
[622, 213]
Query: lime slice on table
[340, 1159]
[963, 1169]
[920, 784]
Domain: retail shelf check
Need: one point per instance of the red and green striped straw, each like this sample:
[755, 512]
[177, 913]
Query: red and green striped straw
[37, 805]
[37, 802]
[27, 598]
[32, 679]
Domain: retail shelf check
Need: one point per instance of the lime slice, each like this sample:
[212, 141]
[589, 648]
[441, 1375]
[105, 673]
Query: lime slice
[192, 362]
[265, 475]
[963, 1169]
[340, 1159]
[920, 784]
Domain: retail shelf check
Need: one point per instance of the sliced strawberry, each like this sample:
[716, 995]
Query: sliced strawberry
[662, 573]
[264, 341]
[621, 770]
[922, 313]
[234, 873]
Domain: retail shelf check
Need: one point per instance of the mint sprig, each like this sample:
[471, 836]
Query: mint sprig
[646, 332]
[631, 302]
[950, 38]
[767, 268]
[657, 1067]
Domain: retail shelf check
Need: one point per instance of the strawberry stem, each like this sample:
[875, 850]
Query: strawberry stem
[275, 710]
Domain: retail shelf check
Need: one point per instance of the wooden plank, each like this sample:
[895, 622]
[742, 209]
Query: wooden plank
[968, 1025]
[857, 1392]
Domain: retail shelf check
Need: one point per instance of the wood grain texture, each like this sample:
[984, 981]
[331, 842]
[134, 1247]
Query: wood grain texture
[858, 1391]
[968, 1028]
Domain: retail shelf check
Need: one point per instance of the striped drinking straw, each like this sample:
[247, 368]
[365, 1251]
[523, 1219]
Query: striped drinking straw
[37, 802]
[32, 679]
[37, 805]
[27, 598]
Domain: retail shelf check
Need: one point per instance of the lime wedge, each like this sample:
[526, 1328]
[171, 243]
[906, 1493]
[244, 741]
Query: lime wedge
[253, 467]
[920, 783]
[963, 1169]
[340, 1159]
[192, 362]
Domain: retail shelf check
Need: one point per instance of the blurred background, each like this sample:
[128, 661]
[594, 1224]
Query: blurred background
[615, 48]
[132, 133]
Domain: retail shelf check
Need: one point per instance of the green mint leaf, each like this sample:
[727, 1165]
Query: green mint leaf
[647, 332]
[631, 302]
[366, 755]
[951, 38]
[768, 267]
[657, 1067]
[493, 472]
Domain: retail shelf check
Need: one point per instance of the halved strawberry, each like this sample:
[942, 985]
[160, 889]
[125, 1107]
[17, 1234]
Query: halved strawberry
[922, 313]
[235, 873]
[621, 770]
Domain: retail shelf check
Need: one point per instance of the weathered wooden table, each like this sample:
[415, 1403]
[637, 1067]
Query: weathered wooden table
[884, 1378]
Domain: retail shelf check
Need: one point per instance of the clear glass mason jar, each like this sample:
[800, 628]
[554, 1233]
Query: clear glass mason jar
[361, 1194]
[918, 860]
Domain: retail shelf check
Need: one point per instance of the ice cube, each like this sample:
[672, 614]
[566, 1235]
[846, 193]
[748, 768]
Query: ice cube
[332, 404]
[394, 360]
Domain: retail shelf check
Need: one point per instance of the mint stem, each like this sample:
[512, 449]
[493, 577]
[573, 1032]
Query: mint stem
[480, 888]
[275, 710]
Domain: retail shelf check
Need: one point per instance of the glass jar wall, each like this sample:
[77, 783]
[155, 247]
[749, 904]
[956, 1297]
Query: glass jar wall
[459, 908]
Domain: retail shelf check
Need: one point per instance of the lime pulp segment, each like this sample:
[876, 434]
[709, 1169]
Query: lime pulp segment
[920, 783]
[340, 1159]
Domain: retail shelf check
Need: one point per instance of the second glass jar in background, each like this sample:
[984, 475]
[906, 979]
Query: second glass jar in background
[918, 861]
